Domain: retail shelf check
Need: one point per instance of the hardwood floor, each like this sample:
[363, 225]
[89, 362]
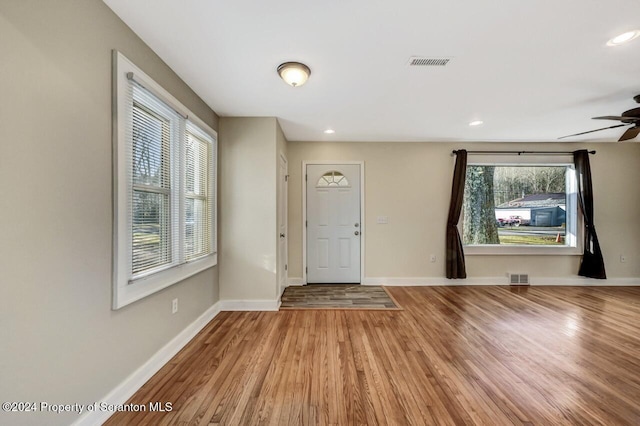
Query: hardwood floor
[454, 355]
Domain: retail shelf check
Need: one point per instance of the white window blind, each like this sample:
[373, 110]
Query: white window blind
[165, 179]
[198, 225]
[154, 211]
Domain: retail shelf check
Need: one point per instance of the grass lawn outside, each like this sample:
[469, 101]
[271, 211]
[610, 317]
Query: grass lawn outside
[530, 240]
[531, 235]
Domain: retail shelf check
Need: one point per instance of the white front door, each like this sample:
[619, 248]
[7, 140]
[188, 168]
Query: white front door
[333, 223]
[282, 226]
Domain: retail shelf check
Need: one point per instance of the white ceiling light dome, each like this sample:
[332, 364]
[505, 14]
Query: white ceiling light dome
[294, 73]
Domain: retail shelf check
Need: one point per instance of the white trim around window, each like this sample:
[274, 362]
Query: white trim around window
[176, 224]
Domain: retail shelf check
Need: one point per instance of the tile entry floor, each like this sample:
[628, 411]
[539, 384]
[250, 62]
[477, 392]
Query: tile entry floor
[336, 296]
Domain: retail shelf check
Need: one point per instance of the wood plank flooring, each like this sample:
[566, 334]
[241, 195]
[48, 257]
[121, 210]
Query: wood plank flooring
[454, 355]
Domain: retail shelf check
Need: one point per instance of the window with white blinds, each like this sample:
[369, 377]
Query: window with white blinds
[198, 204]
[155, 129]
[165, 183]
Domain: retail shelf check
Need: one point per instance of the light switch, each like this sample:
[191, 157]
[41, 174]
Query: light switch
[383, 220]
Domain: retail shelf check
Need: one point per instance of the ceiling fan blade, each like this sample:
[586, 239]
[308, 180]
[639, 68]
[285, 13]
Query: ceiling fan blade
[623, 118]
[591, 131]
[609, 117]
[630, 134]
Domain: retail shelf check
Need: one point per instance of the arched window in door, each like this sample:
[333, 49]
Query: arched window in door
[333, 179]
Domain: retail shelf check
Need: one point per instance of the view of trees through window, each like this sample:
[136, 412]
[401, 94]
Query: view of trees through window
[151, 189]
[518, 205]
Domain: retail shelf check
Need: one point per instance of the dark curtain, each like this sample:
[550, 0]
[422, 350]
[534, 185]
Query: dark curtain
[592, 264]
[455, 254]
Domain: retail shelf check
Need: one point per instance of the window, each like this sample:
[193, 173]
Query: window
[165, 170]
[333, 179]
[198, 205]
[520, 205]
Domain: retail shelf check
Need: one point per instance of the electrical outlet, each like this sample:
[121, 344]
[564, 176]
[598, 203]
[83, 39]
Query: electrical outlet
[433, 258]
[174, 306]
[623, 258]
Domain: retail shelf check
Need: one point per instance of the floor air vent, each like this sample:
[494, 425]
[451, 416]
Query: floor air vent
[519, 279]
[419, 61]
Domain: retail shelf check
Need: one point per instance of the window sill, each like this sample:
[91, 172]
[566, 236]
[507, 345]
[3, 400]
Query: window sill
[126, 293]
[515, 250]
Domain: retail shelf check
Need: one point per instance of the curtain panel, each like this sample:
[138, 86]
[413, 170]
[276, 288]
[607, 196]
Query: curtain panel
[454, 252]
[592, 264]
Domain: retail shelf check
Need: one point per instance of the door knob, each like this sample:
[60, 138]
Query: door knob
[281, 235]
[356, 233]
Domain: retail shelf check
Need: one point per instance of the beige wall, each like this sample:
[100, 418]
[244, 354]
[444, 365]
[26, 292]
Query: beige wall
[282, 145]
[248, 175]
[59, 339]
[411, 184]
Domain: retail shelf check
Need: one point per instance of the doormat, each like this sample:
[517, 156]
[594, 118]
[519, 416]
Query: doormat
[337, 296]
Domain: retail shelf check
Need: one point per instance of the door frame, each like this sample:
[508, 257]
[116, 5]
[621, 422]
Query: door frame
[285, 213]
[304, 214]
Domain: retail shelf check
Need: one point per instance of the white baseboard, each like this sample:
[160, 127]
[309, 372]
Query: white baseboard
[587, 282]
[503, 280]
[249, 305]
[411, 281]
[419, 281]
[131, 384]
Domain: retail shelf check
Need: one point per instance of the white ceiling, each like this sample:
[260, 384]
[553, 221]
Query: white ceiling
[531, 70]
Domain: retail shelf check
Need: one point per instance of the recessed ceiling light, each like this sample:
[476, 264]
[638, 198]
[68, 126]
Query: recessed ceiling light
[476, 123]
[329, 131]
[623, 38]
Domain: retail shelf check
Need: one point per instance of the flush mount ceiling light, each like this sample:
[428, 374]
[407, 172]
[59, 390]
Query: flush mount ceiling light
[329, 131]
[294, 73]
[623, 38]
[476, 123]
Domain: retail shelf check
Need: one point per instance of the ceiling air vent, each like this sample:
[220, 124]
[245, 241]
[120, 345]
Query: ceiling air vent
[419, 61]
